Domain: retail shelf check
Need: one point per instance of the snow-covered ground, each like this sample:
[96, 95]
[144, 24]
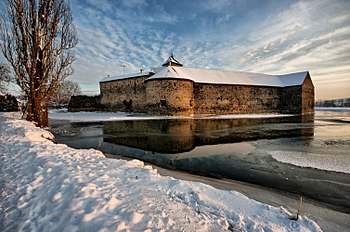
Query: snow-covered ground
[51, 187]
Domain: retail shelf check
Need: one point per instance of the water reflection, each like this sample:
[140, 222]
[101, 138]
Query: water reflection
[183, 135]
[164, 136]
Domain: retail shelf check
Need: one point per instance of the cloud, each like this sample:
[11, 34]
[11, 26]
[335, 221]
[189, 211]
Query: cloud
[313, 40]
[108, 43]
[270, 36]
[135, 3]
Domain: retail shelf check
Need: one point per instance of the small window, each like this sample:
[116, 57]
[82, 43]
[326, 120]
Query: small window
[191, 103]
[162, 103]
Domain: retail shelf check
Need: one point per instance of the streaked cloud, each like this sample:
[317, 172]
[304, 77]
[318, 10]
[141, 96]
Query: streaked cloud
[260, 36]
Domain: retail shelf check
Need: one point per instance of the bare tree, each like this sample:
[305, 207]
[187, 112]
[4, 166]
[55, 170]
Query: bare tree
[5, 77]
[64, 92]
[38, 37]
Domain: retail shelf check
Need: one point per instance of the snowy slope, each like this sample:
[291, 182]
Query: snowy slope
[50, 187]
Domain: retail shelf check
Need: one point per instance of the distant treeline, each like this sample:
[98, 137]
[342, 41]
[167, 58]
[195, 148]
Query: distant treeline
[343, 102]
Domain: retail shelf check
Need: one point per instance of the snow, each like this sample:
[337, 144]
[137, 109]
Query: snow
[230, 77]
[115, 116]
[104, 116]
[237, 116]
[312, 160]
[171, 60]
[208, 76]
[51, 187]
[125, 76]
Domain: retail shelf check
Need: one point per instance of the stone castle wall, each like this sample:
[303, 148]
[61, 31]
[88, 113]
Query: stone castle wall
[291, 100]
[229, 99]
[184, 97]
[124, 95]
[170, 97]
[308, 96]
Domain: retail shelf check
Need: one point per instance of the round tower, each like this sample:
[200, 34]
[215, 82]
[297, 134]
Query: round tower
[168, 93]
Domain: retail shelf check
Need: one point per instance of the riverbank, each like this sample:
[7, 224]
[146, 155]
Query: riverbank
[327, 219]
[51, 187]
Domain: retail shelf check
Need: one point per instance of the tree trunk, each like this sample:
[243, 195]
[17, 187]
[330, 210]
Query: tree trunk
[45, 113]
[37, 107]
[37, 110]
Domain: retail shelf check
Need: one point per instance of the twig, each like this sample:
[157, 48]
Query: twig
[299, 210]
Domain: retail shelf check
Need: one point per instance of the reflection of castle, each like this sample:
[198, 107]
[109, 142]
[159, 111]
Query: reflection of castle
[176, 90]
[176, 136]
[164, 136]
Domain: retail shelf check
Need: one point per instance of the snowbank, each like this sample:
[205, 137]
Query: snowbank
[51, 187]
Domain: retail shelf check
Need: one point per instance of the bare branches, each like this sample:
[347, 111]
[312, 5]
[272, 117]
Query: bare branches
[38, 37]
[5, 77]
[64, 91]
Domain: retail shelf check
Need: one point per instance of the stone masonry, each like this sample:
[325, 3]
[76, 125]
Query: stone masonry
[181, 96]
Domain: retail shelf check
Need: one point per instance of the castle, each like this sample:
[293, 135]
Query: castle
[176, 90]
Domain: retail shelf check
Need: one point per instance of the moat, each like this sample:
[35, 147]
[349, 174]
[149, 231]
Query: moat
[238, 149]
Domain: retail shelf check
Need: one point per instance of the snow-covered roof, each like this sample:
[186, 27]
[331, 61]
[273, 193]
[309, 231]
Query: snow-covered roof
[125, 76]
[230, 77]
[172, 61]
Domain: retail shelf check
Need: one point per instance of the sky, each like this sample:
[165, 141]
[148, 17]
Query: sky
[270, 36]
